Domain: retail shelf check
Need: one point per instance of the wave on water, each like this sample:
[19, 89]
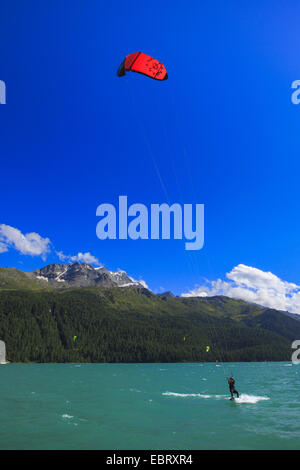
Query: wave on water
[184, 395]
[67, 416]
[243, 398]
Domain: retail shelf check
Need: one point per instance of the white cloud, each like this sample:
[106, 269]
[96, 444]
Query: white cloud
[3, 248]
[29, 244]
[35, 245]
[80, 258]
[253, 285]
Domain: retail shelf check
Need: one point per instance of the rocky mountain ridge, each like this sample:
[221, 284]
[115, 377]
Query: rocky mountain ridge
[80, 275]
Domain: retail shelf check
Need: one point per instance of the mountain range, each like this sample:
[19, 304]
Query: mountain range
[116, 319]
[65, 276]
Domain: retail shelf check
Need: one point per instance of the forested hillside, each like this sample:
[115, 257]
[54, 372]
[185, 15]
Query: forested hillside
[133, 325]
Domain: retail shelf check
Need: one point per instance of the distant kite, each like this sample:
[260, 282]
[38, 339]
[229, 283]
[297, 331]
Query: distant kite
[144, 64]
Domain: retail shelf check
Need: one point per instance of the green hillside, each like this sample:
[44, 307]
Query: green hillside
[134, 325]
[12, 278]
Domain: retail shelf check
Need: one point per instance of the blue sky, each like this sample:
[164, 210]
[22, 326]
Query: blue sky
[222, 131]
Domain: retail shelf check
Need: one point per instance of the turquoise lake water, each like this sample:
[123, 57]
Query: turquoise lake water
[149, 406]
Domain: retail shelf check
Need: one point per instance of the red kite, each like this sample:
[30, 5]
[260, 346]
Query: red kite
[144, 64]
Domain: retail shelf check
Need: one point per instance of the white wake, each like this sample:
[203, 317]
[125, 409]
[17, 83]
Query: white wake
[243, 398]
[184, 395]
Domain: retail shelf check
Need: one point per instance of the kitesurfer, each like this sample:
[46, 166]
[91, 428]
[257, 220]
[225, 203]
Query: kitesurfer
[232, 389]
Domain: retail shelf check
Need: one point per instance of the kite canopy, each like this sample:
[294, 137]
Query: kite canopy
[144, 64]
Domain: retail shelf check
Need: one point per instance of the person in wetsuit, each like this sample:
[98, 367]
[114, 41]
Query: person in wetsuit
[232, 389]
